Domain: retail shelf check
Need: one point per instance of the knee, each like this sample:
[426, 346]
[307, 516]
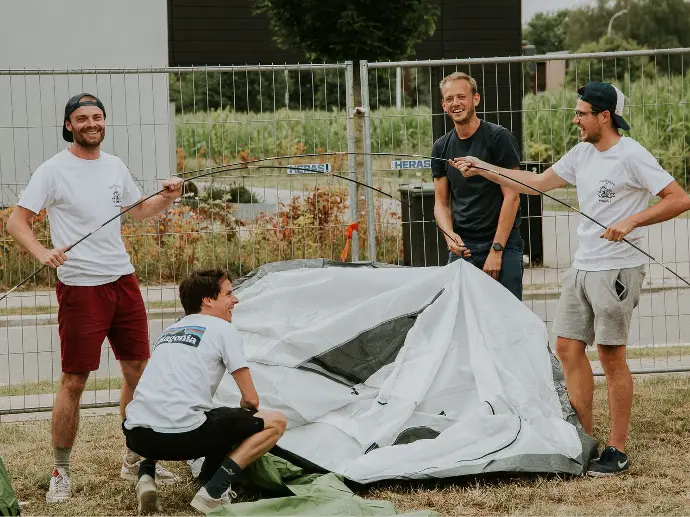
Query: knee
[132, 371]
[613, 360]
[73, 384]
[569, 350]
[281, 423]
[274, 420]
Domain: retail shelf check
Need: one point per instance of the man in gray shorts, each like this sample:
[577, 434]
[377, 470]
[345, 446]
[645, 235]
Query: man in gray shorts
[614, 176]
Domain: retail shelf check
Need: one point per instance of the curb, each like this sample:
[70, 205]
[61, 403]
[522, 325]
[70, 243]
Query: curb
[19, 320]
[550, 294]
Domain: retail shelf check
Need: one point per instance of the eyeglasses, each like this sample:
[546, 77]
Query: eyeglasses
[580, 114]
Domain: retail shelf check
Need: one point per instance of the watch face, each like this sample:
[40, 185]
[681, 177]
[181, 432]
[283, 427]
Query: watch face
[497, 246]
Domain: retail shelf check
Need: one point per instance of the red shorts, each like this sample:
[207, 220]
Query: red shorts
[89, 314]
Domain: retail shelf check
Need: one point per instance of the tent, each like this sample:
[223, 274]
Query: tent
[8, 501]
[405, 373]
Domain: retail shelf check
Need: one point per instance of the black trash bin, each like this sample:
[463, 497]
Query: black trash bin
[531, 218]
[423, 243]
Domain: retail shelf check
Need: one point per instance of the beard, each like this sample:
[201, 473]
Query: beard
[464, 117]
[88, 142]
[592, 136]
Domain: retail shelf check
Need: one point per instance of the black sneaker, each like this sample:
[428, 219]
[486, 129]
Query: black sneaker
[611, 462]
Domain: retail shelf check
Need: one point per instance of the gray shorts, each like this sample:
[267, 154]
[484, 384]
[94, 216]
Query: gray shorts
[597, 306]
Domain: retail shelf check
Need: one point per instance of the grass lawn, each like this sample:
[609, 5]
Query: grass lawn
[41, 387]
[657, 483]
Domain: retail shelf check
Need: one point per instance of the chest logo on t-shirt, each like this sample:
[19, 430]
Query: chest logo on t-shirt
[187, 335]
[116, 195]
[605, 192]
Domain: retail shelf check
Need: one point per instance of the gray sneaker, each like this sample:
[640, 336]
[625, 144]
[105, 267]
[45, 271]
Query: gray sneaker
[147, 496]
[60, 486]
[205, 503]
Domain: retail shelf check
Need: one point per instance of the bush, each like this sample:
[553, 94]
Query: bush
[620, 71]
[655, 110]
[233, 194]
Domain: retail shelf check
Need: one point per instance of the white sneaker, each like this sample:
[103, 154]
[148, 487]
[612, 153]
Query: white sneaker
[206, 504]
[195, 466]
[130, 472]
[60, 486]
[147, 496]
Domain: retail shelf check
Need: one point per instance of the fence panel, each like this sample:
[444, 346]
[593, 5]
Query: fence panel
[534, 97]
[177, 121]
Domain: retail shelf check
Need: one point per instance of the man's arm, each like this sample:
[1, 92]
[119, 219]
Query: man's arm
[674, 201]
[506, 218]
[19, 228]
[544, 182]
[243, 378]
[444, 219]
[159, 202]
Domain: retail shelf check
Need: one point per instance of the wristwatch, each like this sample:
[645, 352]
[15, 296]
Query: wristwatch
[497, 246]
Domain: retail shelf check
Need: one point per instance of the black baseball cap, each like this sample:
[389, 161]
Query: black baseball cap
[606, 97]
[74, 103]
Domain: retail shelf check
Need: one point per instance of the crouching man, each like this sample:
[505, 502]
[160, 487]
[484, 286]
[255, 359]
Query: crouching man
[172, 417]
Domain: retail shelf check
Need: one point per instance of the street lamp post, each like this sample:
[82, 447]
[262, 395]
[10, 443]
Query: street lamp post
[613, 18]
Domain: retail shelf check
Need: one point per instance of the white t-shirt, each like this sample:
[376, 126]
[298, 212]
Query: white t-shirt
[80, 195]
[188, 362]
[611, 186]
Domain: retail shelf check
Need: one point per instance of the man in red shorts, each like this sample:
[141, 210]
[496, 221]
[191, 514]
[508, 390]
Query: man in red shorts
[98, 295]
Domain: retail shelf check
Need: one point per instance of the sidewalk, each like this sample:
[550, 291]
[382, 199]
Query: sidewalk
[538, 283]
[46, 297]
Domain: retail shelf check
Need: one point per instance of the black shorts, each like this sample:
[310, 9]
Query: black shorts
[223, 429]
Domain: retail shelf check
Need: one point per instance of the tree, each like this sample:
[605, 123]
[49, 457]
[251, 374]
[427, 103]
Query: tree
[619, 71]
[547, 32]
[589, 23]
[649, 23]
[340, 30]
[660, 23]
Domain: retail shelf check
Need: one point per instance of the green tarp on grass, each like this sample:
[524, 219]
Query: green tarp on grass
[8, 500]
[306, 494]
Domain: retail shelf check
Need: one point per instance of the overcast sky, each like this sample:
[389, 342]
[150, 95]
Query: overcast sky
[531, 7]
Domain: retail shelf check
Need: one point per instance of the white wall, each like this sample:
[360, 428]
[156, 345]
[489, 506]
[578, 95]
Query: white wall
[77, 34]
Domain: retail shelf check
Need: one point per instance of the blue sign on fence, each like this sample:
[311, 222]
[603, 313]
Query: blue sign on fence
[410, 164]
[310, 168]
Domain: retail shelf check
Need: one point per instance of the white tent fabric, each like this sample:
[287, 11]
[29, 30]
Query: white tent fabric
[473, 377]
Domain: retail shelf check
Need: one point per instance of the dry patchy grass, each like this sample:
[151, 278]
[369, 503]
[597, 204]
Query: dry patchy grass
[645, 352]
[656, 485]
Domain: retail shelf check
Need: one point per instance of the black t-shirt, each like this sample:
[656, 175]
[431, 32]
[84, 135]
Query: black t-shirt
[476, 202]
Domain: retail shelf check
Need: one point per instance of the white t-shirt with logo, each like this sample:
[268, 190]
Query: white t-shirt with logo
[611, 186]
[188, 362]
[80, 195]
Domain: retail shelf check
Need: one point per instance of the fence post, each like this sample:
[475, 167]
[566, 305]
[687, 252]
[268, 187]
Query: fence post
[368, 175]
[351, 158]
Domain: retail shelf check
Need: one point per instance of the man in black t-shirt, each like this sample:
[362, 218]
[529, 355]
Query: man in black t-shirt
[482, 217]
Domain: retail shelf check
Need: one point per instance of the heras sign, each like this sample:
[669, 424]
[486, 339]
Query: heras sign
[310, 168]
[410, 164]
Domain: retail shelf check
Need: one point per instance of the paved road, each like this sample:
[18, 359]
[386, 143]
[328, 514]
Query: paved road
[662, 318]
[32, 352]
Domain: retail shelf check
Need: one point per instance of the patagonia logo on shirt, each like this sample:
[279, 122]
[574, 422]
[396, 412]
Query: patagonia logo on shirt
[188, 335]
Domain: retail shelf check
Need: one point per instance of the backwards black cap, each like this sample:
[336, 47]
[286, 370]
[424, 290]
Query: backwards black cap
[74, 103]
[606, 97]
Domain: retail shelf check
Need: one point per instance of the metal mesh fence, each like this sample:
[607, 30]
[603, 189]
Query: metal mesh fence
[184, 121]
[534, 97]
[176, 121]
